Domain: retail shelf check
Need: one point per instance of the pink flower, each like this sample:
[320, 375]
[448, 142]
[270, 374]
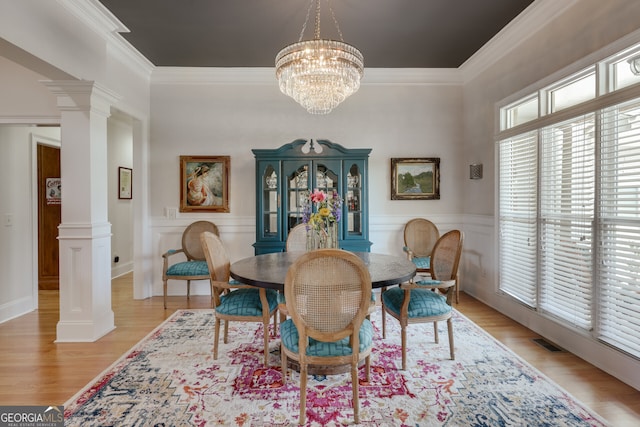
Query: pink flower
[318, 196]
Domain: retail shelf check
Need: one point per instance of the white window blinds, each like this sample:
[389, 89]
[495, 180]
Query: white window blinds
[619, 225]
[569, 200]
[567, 193]
[518, 216]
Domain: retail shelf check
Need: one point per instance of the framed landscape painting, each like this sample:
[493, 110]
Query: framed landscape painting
[204, 183]
[415, 179]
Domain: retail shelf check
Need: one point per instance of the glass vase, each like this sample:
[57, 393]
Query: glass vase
[325, 237]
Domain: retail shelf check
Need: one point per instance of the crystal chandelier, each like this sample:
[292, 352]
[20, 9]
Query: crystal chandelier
[319, 74]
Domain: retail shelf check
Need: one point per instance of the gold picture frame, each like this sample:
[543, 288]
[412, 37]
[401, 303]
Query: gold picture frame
[415, 178]
[204, 183]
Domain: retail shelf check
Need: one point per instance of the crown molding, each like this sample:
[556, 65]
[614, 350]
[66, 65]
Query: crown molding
[521, 28]
[267, 75]
[30, 120]
[411, 76]
[100, 20]
[213, 75]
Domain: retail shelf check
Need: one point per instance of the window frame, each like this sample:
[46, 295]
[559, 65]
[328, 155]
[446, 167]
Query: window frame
[607, 94]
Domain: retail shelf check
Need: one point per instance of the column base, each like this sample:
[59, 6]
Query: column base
[84, 331]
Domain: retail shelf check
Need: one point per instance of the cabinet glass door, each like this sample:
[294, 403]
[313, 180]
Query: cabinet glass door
[326, 179]
[270, 203]
[353, 201]
[297, 190]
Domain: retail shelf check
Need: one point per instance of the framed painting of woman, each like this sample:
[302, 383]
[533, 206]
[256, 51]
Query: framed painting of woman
[204, 183]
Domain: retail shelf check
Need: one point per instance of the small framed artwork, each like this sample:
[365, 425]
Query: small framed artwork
[124, 183]
[415, 179]
[204, 183]
[54, 192]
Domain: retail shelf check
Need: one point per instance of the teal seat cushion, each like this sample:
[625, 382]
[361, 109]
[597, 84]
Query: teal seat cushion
[246, 302]
[189, 268]
[289, 338]
[423, 302]
[423, 262]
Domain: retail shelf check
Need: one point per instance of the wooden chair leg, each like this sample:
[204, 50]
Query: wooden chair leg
[283, 365]
[188, 289]
[450, 330]
[354, 387]
[303, 395]
[384, 314]
[211, 285]
[275, 324]
[435, 332]
[216, 337]
[165, 293]
[457, 290]
[403, 335]
[367, 367]
[266, 342]
[384, 322]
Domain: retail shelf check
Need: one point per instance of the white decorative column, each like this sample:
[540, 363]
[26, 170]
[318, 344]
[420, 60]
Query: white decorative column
[85, 233]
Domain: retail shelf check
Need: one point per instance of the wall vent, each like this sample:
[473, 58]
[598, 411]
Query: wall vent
[547, 345]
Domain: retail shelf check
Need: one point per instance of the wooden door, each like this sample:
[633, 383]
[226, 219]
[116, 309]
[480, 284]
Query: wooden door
[49, 216]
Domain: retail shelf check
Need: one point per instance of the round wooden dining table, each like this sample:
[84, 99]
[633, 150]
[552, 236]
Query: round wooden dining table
[270, 270]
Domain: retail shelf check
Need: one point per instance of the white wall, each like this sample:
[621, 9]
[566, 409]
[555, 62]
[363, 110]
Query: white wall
[567, 44]
[209, 118]
[120, 153]
[42, 41]
[18, 281]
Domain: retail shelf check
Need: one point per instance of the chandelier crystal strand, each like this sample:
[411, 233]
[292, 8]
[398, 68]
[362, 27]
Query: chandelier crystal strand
[319, 74]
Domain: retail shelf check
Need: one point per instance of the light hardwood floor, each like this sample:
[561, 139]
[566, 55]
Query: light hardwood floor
[36, 371]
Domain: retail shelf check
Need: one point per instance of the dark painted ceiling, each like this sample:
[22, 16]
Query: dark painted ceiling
[249, 33]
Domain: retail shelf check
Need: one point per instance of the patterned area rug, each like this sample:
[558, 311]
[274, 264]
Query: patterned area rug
[171, 379]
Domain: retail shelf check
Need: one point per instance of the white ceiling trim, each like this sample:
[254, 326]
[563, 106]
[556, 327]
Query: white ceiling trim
[212, 75]
[100, 19]
[521, 28]
[412, 76]
[29, 120]
[267, 75]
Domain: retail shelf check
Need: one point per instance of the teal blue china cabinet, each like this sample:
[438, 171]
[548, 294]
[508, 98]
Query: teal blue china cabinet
[286, 175]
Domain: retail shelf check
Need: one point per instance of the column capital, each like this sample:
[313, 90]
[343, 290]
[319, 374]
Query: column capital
[82, 95]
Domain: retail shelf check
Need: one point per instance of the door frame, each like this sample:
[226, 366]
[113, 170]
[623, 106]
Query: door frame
[35, 141]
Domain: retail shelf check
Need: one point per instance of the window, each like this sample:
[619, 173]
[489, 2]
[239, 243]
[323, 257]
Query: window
[569, 204]
[518, 217]
[567, 187]
[579, 88]
[619, 247]
[522, 112]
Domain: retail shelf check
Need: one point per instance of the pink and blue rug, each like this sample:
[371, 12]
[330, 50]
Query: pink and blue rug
[171, 379]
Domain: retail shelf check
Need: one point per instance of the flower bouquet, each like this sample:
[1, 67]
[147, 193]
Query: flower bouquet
[321, 213]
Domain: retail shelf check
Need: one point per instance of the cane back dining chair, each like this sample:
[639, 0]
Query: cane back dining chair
[234, 301]
[195, 266]
[328, 293]
[428, 299]
[420, 235]
[296, 241]
[297, 238]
